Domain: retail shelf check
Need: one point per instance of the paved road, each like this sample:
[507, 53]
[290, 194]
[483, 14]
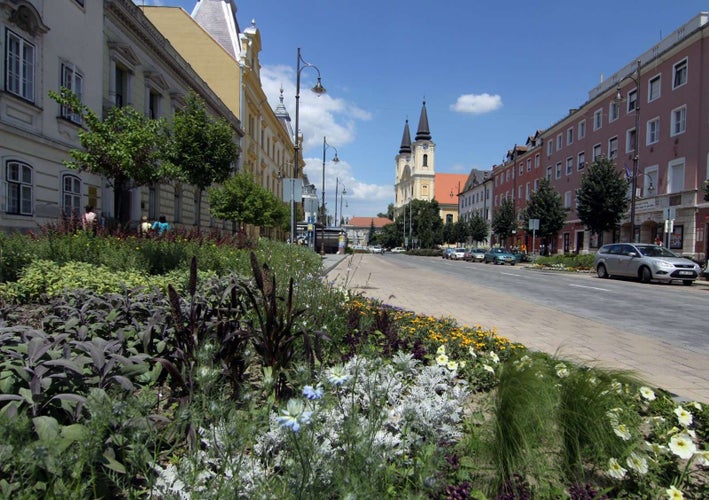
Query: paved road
[400, 282]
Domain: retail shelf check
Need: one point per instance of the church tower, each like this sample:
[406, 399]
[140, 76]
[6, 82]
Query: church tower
[415, 164]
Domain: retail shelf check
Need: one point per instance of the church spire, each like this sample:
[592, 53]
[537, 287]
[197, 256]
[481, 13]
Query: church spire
[423, 133]
[405, 140]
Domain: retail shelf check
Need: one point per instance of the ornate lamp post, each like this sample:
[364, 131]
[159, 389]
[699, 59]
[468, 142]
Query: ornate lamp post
[325, 145]
[634, 180]
[342, 195]
[317, 89]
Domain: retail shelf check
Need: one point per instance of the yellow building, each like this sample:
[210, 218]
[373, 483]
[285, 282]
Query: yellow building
[227, 58]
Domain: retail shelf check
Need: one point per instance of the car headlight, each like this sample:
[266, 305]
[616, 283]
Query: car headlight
[664, 264]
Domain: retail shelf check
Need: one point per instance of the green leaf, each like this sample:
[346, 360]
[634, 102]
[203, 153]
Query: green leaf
[47, 428]
[109, 461]
[74, 432]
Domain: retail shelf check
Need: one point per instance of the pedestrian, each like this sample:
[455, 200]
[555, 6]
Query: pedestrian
[88, 220]
[658, 240]
[161, 226]
[145, 226]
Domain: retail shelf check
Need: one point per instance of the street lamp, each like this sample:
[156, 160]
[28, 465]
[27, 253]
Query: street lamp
[634, 180]
[317, 89]
[325, 145]
[342, 195]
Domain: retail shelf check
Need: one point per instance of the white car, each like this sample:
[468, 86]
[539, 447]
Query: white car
[645, 262]
[376, 249]
[457, 254]
[398, 250]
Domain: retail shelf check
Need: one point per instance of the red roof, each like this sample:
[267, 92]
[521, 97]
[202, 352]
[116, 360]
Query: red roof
[366, 222]
[447, 184]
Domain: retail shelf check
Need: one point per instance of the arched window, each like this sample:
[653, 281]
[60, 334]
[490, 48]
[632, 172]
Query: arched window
[425, 160]
[18, 177]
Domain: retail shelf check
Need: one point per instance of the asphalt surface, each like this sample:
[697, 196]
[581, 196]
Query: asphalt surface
[682, 372]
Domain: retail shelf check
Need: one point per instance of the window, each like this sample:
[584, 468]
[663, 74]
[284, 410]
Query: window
[679, 121]
[630, 138]
[559, 142]
[507, 176]
[537, 160]
[154, 104]
[529, 164]
[121, 87]
[597, 119]
[569, 165]
[676, 176]
[613, 111]
[567, 199]
[679, 74]
[536, 182]
[521, 168]
[613, 148]
[632, 100]
[582, 130]
[519, 192]
[19, 66]
[548, 176]
[558, 170]
[527, 191]
[653, 89]
[581, 163]
[597, 152]
[72, 80]
[71, 196]
[653, 131]
[550, 148]
[19, 188]
[569, 136]
[425, 160]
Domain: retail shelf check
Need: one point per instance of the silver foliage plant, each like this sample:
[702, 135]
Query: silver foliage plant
[395, 406]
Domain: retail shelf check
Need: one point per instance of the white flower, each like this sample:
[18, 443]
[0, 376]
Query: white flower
[674, 494]
[452, 365]
[683, 416]
[494, 357]
[441, 349]
[647, 393]
[461, 364]
[561, 370]
[615, 470]
[442, 360]
[703, 457]
[294, 415]
[682, 446]
[637, 463]
[337, 375]
[696, 405]
[656, 448]
[621, 430]
[471, 351]
[489, 368]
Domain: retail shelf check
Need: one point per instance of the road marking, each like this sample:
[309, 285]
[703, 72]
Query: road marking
[512, 274]
[591, 287]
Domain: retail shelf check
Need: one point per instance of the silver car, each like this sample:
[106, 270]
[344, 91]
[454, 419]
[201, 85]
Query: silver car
[645, 262]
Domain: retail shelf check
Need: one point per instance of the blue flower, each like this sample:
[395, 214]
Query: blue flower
[337, 375]
[311, 392]
[294, 415]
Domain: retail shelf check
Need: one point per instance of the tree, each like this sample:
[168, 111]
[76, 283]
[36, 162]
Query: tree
[479, 228]
[602, 197]
[460, 231]
[242, 200]
[545, 204]
[427, 226]
[125, 147]
[390, 212]
[504, 221]
[200, 150]
[372, 233]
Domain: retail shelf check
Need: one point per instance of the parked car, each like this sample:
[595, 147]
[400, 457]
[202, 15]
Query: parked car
[645, 262]
[475, 255]
[457, 254]
[499, 256]
[376, 249]
[398, 250]
[447, 253]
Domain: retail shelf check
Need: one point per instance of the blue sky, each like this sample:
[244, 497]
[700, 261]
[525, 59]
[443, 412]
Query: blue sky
[492, 73]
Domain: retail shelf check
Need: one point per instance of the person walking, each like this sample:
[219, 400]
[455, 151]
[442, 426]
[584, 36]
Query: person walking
[88, 220]
[145, 226]
[161, 226]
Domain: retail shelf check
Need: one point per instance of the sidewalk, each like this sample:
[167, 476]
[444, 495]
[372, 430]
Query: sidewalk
[680, 371]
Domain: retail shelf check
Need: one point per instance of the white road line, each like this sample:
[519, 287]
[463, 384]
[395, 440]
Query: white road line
[591, 287]
[512, 274]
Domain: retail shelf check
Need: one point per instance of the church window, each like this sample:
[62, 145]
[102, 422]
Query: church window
[425, 160]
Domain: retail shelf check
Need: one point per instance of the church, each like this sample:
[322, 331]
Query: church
[416, 177]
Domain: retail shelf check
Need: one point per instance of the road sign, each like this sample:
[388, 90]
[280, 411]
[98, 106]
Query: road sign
[534, 224]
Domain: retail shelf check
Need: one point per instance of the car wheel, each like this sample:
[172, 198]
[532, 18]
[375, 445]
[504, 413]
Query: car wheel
[601, 271]
[687, 282]
[645, 275]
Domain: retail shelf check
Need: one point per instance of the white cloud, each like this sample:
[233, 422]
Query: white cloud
[477, 104]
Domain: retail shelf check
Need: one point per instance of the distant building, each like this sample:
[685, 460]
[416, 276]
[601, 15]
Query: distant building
[358, 229]
[416, 177]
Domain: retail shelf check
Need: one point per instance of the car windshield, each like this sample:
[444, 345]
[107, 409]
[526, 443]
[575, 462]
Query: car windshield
[656, 251]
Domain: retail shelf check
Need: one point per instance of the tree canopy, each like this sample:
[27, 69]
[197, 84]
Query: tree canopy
[504, 221]
[602, 196]
[546, 205]
[242, 200]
